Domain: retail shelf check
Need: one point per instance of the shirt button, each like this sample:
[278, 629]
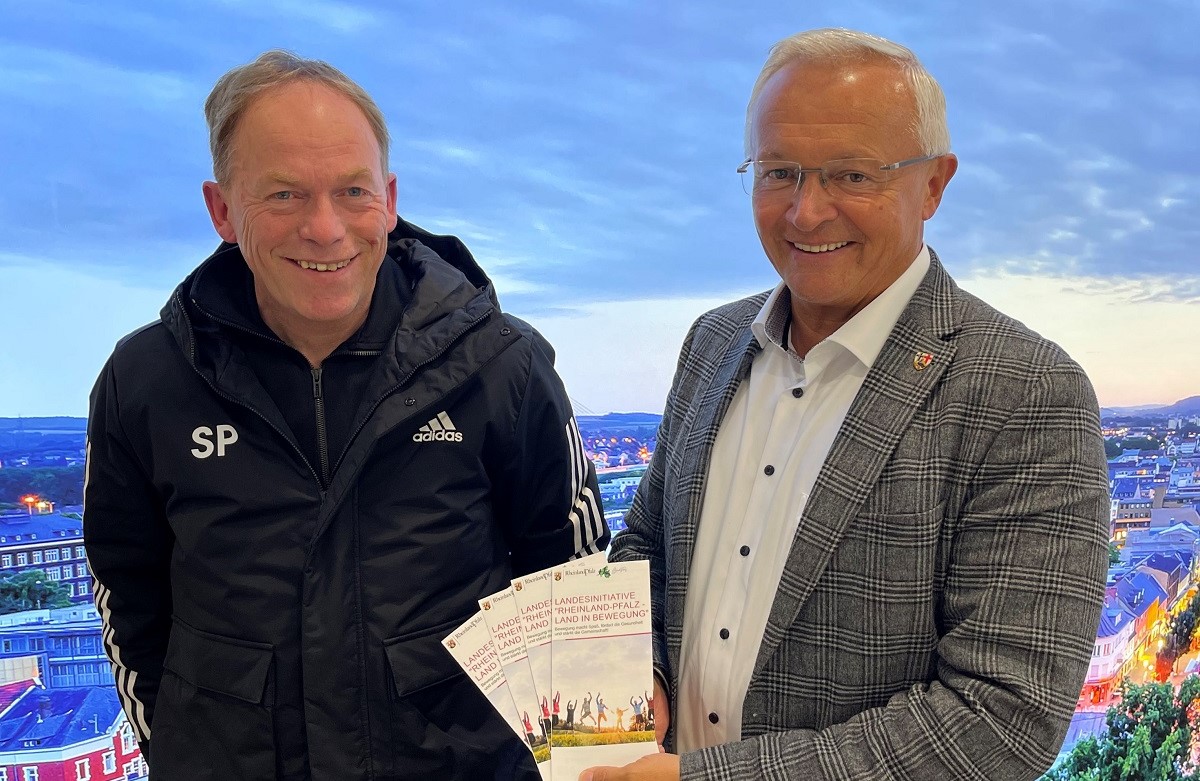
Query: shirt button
[745, 550]
[713, 718]
[768, 470]
[797, 392]
[724, 634]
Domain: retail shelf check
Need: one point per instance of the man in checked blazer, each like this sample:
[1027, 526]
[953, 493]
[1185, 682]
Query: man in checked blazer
[877, 512]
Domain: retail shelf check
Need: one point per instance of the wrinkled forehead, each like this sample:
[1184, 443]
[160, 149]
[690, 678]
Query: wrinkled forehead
[302, 119]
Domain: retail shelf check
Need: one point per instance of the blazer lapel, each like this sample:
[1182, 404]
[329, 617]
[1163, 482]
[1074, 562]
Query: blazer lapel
[701, 422]
[908, 368]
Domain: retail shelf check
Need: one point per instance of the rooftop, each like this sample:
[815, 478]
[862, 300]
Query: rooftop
[23, 528]
[56, 718]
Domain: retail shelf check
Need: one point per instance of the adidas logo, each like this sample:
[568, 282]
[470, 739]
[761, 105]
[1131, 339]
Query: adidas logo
[439, 429]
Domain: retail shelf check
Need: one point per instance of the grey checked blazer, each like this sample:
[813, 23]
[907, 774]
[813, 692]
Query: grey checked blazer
[939, 605]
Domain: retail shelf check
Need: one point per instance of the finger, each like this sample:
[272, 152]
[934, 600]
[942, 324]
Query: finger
[601, 774]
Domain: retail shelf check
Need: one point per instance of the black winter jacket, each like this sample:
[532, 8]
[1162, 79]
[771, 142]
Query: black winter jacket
[266, 621]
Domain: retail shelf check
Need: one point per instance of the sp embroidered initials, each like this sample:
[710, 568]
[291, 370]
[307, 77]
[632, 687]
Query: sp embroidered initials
[202, 436]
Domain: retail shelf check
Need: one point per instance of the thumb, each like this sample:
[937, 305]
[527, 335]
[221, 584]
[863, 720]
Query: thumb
[601, 774]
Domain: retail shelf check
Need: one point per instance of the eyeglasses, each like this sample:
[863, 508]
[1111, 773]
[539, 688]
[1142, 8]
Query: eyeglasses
[859, 176]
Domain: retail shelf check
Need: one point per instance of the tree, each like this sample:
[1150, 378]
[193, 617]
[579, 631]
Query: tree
[59, 484]
[1148, 738]
[30, 590]
[1181, 635]
[1112, 447]
[1141, 443]
[1114, 554]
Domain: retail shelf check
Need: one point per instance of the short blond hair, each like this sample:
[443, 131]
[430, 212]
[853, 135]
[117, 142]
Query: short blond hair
[837, 44]
[237, 89]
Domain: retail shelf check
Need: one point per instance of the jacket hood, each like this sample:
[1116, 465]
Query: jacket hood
[448, 248]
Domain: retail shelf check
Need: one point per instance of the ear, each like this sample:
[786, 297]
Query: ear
[218, 211]
[943, 171]
[391, 201]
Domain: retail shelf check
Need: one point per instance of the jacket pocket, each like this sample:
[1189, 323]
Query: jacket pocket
[443, 726]
[213, 718]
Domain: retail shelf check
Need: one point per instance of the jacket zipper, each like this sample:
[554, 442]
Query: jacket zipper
[322, 438]
[192, 362]
[323, 448]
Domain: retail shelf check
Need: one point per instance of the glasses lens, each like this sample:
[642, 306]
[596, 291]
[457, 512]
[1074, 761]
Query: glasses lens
[853, 177]
[857, 176]
[770, 176]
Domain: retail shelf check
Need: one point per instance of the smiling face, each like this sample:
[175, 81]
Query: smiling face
[837, 254]
[310, 206]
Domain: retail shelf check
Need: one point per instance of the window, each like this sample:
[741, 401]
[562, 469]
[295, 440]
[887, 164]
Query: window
[81, 570]
[83, 588]
[3, 774]
[128, 743]
[83, 771]
[71, 589]
[110, 762]
[37, 557]
[52, 573]
[79, 551]
[52, 555]
[66, 553]
[5, 561]
[29, 774]
[22, 559]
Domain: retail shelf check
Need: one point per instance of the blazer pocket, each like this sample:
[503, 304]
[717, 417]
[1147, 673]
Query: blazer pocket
[213, 716]
[443, 727]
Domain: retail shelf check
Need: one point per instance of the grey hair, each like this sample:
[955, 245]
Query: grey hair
[836, 44]
[237, 89]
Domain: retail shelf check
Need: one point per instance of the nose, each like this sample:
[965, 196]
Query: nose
[321, 223]
[811, 203]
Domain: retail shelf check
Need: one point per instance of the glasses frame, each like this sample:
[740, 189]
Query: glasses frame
[801, 170]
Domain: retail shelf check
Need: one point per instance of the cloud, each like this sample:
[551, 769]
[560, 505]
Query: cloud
[59, 326]
[344, 18]
[1114, 327]
[47, 76]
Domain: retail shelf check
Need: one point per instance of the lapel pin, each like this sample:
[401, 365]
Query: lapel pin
[922, 360]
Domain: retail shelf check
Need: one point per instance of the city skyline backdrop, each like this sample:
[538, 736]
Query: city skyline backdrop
[585, 152]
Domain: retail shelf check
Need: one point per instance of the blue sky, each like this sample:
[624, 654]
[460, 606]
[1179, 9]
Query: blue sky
[585, 152]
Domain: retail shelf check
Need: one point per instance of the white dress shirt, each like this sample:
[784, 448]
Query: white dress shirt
[771, 444]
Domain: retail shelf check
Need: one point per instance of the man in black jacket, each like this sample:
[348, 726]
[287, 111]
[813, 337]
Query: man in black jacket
[305, 474]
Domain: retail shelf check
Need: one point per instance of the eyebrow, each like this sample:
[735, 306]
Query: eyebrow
[357, 173]
[279, 177]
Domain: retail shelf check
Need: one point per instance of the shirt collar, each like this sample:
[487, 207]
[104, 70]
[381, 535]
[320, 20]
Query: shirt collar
[865, 333]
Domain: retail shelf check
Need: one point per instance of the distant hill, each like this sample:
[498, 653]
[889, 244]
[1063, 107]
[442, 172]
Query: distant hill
[1183, 407]
[620, 419]
[1188, 406]
[57, 425]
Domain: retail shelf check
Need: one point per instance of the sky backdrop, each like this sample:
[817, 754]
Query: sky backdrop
[585, 151]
